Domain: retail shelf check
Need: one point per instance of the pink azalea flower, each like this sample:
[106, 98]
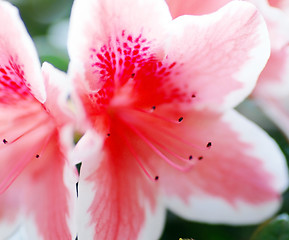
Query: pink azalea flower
[32, 116]
[282, 4]
[157, 96]
[272, 90]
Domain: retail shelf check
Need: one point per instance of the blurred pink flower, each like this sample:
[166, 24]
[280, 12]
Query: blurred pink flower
[157, 96]
[32, 151]
[272, 90]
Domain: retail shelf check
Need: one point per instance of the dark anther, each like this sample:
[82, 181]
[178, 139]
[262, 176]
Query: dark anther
[181, 119]
[209, 144]
[37, 156]
[5, 141]
[156, 178]
[76, 186]
[76, 238]
[108, 134]
[132, 75]
[190, 157]
[200, 157]
[78, 167]
[153, 107]
[193, 95]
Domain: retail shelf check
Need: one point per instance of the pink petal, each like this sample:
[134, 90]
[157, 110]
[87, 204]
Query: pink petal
[58, 89]
[282, 4]
[94, 25]
[277, 108]
[24, 130]
[48, 193]
[194, 7]
[116, 200]
[277, 23]
[215, 54]
[10, 214]
[19, 65]
[239, 179]
[274, 79]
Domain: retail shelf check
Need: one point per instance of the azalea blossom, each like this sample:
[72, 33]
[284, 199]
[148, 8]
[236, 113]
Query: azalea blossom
[272, 90]
[36, 181]
[156, 98]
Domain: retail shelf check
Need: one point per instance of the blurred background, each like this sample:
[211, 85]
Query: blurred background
[47, 23]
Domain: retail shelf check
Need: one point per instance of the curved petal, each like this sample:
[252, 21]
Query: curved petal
[277, 108]
[277, 22]
[97, 26]
[274, 79]
[282, 4]
[10, 213]
[215, 57]
[194, 7]
[58, 90]
[19, 64]
[49, 191]
[24, 132]
[238, 181]
[116, 200]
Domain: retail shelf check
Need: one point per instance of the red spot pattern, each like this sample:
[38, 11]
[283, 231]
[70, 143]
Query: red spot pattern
[131, 62]
[13, 85]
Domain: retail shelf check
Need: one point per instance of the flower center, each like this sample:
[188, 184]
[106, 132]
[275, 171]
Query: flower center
[12, 82]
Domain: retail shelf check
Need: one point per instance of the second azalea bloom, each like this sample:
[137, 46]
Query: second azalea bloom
[156, 97]
[36, 181]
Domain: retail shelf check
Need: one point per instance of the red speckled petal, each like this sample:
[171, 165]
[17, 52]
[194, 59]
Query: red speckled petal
[20, 74]
[239, 179]
[98, 25]
[116, 199]
[215, 56]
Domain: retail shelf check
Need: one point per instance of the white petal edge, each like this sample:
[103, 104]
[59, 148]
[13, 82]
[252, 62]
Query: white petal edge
[265, 148]
[249, 74]
[205, 208]
[151, 229]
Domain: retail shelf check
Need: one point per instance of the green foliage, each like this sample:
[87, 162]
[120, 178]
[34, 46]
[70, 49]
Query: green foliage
[276, 229]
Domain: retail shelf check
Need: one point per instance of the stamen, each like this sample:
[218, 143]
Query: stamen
[153, 107]
[193, 95]
[29, 130]
[180, 119]
[37, 156]
[185, 160]
[156, 178]
[14, 173]
[156, 115]
[209, 144]
[5, 141]
[164, 130]
[133, 75]
[108, 134]
[200, 157]
[130, 148]
[157, 151]
[190, 157]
